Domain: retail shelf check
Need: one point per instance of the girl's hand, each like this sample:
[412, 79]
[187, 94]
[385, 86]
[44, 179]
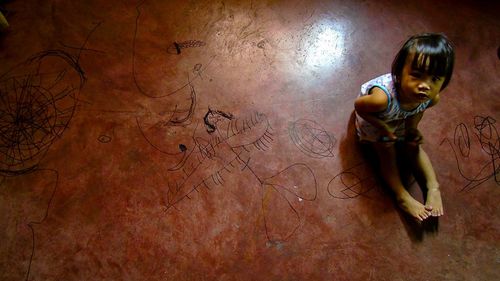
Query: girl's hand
[413, 136]
[387, 136]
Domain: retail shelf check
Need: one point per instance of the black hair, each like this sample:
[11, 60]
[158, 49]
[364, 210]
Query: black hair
[434, 54]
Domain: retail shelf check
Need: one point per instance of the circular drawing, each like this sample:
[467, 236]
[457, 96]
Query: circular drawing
[312, 139]
[37, 101]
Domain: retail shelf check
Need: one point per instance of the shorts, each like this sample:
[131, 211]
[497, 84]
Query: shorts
[367, 133]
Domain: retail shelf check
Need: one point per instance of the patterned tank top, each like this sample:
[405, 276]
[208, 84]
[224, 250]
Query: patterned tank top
[393, 111]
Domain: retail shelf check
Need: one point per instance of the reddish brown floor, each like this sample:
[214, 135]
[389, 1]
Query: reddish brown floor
[231, 155]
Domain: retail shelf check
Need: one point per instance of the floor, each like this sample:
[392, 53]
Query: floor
[213, 140]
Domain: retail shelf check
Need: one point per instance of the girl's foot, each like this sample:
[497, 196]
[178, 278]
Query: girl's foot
[434, 202]
[413, 207]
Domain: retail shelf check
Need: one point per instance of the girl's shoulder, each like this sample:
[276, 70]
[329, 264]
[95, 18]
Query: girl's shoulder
[384, 82]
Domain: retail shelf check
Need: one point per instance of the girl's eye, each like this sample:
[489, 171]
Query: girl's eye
[416, 74]
[436, 79]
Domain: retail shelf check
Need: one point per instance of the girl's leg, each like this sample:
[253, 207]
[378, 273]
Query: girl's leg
[3, 22]
[423, 170]
[388, 165]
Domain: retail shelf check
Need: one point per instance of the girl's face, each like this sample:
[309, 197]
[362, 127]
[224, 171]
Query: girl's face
[418, 86]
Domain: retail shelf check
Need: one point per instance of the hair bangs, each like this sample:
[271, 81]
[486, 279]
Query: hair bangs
[432, 53]
[431, 60]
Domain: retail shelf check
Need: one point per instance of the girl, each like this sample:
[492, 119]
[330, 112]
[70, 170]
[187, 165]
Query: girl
[390, 107]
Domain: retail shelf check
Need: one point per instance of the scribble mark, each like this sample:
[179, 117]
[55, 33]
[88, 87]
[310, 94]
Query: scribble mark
[212, 117]
[143, 133]
[104, 139]
[489, 141]
[352, 183]
[295, 179]
[232, 141]
[143, 81]
[462, 140]
[280, 195]
[34, 223]
[29, 208]
[312, 139]
[37, 101]
[228, 150]
[178, 46]
[487, 135]
[262, 44]
[182, 116]
[197, 68]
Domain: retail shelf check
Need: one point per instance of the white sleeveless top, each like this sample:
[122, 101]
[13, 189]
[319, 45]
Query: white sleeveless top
[394, 115]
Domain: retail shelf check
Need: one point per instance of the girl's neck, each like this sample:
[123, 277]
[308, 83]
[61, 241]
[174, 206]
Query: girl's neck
[404, 104]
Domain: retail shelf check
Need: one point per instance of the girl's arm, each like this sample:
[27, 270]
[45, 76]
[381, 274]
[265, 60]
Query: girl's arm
[369, 105]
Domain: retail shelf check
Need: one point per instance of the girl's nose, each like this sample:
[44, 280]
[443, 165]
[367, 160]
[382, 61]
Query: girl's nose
[423, 86]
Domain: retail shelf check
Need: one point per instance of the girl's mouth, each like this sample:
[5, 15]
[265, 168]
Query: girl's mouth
[422, 96]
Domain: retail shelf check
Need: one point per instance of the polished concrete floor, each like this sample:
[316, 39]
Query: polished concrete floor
[213, 140]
